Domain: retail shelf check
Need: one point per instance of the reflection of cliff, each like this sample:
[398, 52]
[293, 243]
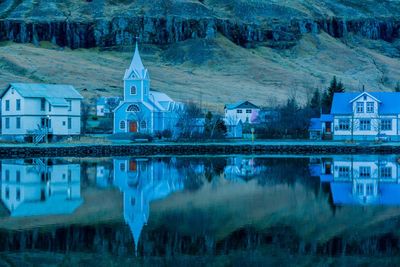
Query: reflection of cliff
[219, 217]
[361, 180]
[34, 187]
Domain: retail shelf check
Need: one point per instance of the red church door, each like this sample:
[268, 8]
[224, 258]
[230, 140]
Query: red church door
[133, 127]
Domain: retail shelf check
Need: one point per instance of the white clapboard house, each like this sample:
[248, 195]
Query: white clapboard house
[40, 110]
[245, 111]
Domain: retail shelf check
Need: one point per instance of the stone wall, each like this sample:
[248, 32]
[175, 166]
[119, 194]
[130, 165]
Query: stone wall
[189, 149]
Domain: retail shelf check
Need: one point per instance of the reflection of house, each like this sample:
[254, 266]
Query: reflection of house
[245, 111]
[321, 128]
[143, 110]
[364, 180]
[103, 176]
[31, 187]
[366, 116]
[141, 182]
[240, 168]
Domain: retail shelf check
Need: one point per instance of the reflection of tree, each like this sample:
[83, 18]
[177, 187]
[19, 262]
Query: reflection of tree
[286, 171]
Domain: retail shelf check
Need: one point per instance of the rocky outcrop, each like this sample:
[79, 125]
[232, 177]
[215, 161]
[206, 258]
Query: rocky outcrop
[165, 30]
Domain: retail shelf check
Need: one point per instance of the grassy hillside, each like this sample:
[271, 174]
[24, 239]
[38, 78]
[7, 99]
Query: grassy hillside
[215, 71]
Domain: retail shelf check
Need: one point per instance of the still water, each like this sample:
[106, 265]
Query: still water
[234, 211]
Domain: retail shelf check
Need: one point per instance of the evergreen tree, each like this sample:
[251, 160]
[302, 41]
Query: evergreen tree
[315, 104]
[208, 124]
[397, 88]
[335, 87]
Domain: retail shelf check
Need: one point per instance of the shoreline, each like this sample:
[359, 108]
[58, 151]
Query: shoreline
[12, 151]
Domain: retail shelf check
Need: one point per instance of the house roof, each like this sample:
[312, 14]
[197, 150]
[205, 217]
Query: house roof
[315, 124]
[55, 205]
[241, 104]
[57, 101]
[389, 102]
[326, 118]
[54, 92]
[101, 101]
[365, 93]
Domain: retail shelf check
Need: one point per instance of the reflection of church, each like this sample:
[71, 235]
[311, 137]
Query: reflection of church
[361, 179]
[240, 168]
[143, 181]
[39, 187]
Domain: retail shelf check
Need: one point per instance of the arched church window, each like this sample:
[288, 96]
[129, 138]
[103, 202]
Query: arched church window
[133, 90]
[122, 125]
[133, 108]
[143, 125]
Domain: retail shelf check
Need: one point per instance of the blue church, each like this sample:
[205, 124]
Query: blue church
[142, 109]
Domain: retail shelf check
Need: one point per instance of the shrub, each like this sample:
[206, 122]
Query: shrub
[166, 134]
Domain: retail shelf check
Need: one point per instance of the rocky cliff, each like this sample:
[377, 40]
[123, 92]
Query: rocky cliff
[170, 22]
[302, 41]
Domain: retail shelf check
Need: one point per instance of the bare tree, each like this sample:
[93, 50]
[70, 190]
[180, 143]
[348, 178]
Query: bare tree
[187, 118]
[85, 113]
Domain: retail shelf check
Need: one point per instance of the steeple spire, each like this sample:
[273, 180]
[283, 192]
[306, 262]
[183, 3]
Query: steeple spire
[136, 66]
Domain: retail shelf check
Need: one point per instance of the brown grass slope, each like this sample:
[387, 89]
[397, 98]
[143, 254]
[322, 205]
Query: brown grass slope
[213, 71]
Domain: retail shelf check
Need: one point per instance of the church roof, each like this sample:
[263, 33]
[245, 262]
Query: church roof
[136, 66]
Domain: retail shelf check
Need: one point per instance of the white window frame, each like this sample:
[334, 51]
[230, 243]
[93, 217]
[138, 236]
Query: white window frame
[369, 189]
[18, 104]
[133, 108]
[143, 123]
[360, 107]
[386, 172]
[18, 122]
[370, 109]
[365, 171]
[365, 125]
[122, 167]
[69, 105]
[122, 125]
[344, 171]
[386, 125]
[133, 87]
[344, 124]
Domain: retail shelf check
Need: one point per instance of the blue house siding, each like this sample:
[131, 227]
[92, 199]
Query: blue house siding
[366, 116]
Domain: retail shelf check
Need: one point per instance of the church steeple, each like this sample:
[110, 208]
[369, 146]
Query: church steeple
[136, 69]
[136, 80]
